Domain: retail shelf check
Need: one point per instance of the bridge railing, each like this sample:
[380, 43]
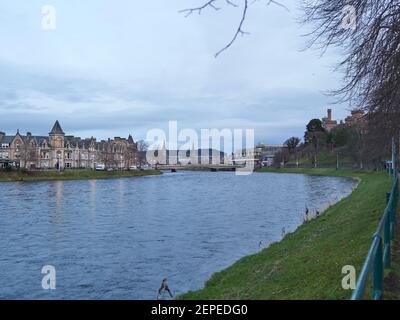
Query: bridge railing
[379, 255]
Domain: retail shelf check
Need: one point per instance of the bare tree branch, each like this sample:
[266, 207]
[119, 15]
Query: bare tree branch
[231, 3]
[209, 3]
[278, 4]
[239, 30]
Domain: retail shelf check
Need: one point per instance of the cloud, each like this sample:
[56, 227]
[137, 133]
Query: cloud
[114, 68]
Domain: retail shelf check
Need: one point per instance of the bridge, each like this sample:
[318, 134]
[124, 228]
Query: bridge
[198, 167]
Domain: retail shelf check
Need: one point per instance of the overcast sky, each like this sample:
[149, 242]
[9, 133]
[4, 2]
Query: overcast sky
[111, 68]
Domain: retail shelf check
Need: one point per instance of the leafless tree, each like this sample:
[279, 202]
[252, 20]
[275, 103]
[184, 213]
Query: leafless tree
[371, 66]
[130, 155]
[28, 153]
[368, 33]
[281, 157]
[142, 145]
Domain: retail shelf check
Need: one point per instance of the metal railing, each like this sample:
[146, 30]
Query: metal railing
[379, 255]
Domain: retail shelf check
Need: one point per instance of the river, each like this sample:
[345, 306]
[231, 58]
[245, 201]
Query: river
[117, 239]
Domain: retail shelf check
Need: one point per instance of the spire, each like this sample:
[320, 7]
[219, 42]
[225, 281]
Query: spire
[56, 129]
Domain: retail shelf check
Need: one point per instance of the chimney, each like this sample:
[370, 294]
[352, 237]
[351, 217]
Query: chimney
[330, 114]
[2, 135]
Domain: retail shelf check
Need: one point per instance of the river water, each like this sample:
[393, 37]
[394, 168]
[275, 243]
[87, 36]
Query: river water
[117, 239]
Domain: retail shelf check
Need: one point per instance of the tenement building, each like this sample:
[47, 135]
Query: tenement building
[60, 151]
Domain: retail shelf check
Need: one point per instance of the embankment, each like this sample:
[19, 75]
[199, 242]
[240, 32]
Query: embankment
[71, 175]
[307, 264]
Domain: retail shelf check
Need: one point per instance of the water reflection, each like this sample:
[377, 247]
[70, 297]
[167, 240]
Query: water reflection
[59, 188]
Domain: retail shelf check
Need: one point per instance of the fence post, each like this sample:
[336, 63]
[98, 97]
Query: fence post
[387, 242]
[396, 202]
[378, 270]
[394, 207]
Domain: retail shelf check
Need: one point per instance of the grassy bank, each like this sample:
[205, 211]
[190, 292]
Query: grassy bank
[70, 175]
[307, 264]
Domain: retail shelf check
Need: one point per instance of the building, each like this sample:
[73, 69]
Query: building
[60, 151]
[328, 123]
[266, 153]
[262, 155]
[357, 116]
[193, 156]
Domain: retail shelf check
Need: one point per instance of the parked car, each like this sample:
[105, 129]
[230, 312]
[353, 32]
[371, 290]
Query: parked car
[100, 167]
[133, 168]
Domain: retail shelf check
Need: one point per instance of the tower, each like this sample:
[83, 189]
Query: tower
[328, 123]
[57, 140]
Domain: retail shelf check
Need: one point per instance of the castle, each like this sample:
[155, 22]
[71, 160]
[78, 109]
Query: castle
[329, 124]
[60, 151]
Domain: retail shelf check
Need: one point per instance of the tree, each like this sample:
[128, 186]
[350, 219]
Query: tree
[130, 155]
[339, 136]
[315, 136]
[356, 146]
[142, 145]
[292, 143]
[281, 157]
[368, 32]
[315, 125]
[28, 153]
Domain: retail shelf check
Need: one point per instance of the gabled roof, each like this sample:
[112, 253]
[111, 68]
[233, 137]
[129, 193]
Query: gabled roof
[56, 129]
[7, 139]
[40, 139]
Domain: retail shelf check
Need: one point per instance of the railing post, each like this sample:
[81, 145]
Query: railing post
[387, 242]
[389, 207]
[393, 215]
[396, 202]
[378, 271]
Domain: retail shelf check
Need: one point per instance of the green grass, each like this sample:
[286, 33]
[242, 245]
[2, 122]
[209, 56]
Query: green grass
[324, 158]
[70, 175]
[307, 264]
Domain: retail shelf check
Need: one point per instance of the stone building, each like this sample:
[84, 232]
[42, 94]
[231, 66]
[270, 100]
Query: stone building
[60, 151]
[357, 116]
[328, 123]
